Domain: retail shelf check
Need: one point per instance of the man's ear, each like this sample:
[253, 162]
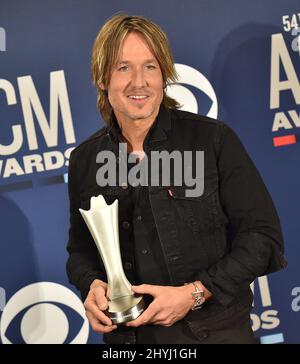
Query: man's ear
[102, 86]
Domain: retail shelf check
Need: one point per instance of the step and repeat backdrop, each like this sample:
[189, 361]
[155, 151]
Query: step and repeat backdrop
[238, 61]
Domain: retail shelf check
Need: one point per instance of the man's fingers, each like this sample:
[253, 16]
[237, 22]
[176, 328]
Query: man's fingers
[97, 326]
[101, 302]
[146, 317]
[100, 298]
[95, 304]
[141, 320]
[98, 314]
[147, 289]
[163, 323]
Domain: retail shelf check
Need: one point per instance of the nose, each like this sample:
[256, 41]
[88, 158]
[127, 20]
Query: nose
[138, 78]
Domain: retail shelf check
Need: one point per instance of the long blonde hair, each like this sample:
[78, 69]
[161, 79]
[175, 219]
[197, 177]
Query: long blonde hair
[106, 50]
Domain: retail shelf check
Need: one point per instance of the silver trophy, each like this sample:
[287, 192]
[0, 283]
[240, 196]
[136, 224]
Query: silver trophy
[102, 221]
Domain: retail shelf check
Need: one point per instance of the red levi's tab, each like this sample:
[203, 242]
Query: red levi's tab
[170, 192]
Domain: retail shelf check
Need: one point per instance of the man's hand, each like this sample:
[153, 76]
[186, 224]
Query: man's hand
[170, 304]
[95, 304]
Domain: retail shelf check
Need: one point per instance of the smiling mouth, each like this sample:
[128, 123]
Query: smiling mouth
[138, 97]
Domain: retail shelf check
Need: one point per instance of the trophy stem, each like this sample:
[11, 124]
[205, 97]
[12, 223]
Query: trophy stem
[102, 221]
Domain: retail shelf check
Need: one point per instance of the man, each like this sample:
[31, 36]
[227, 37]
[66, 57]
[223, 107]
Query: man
[175, 248]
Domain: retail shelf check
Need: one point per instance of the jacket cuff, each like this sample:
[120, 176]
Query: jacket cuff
[217, 294]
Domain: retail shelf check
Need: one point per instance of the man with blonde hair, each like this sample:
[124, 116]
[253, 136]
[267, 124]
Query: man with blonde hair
[183, 252]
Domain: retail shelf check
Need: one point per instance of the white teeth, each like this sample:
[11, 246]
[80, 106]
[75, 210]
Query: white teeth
[137, 97]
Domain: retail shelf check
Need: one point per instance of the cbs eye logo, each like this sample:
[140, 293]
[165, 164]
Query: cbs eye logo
[40, 314]
[198, 86]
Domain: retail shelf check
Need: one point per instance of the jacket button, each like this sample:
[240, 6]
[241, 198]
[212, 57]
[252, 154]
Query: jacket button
[144, 251]
[139, 218]
[127, 265]
[125, 225]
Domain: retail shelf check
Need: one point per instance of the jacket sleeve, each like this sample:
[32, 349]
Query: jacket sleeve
[83, 264]
[254, 232]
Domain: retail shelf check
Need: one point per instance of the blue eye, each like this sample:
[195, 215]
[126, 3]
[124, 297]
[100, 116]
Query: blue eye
[42, 313]
[123, 68]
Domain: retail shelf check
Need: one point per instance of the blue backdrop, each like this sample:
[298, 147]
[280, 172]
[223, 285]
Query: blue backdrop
[237, 60]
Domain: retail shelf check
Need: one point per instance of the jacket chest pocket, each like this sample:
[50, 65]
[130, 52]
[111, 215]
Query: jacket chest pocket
[202, 214]
[205, 219]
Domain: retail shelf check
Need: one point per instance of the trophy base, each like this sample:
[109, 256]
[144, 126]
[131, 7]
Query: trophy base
[124, 309]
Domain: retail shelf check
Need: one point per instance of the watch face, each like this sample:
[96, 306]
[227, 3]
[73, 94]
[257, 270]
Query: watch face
[199, 299]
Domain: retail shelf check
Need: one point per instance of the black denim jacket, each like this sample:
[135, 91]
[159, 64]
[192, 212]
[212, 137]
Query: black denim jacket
[235, 231]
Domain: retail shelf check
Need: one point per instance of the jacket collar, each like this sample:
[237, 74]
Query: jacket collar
[157, 132]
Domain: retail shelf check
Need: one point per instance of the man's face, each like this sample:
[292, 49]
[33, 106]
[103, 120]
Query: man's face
[135, 90]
